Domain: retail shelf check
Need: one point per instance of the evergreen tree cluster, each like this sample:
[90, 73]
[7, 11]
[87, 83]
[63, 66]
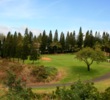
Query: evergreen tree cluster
[73, 41]
[18, 46]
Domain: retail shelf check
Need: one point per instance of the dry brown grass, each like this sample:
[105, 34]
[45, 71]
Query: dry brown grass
[24, 72]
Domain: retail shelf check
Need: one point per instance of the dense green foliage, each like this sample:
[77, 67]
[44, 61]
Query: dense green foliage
[78, 91]
[81, 91]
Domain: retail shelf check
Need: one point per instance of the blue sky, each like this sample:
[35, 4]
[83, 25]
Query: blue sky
[64, 15]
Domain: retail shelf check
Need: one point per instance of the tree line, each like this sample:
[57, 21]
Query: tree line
[73, 41]
[22, 46]
[18, 46]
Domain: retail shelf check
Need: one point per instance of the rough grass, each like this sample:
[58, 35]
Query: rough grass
[102, 85]
[42, 90]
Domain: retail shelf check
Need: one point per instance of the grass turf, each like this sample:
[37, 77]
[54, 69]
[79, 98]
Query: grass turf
[73, 69]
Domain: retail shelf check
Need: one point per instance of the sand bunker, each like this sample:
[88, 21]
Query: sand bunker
[46, 59]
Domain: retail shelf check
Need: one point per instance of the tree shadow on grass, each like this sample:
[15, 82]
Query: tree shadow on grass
[82, 72]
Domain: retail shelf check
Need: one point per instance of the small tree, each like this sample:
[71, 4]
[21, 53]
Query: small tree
[35, 54]
[89, 55]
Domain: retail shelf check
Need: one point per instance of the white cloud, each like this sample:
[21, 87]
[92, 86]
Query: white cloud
[36, 31]
[4, 30]
[22, 30]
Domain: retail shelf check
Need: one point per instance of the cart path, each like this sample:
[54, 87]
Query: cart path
[101, 78]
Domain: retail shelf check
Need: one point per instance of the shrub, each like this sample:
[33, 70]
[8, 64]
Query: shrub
[52, 72]
[77, 91]
[43, 74]
[17, 89]
[106, 95]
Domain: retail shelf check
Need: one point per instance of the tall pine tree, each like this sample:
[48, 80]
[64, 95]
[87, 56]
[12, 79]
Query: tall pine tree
[62, 42]
[50, 40]
[19, 46]
[56, 36]
[80, 39]
[25, 46]
[43, 46]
